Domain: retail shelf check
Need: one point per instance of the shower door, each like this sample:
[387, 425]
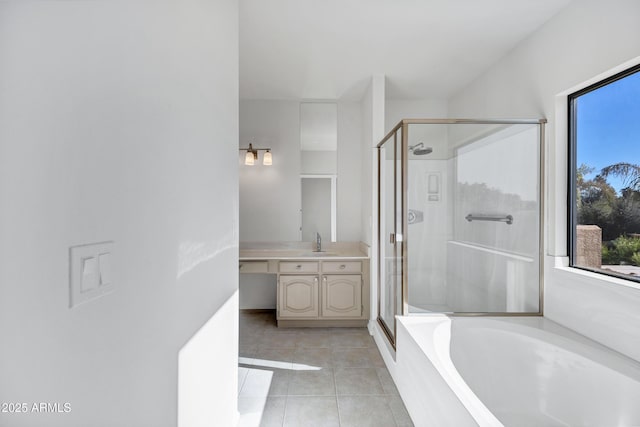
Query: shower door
[460, 219]
[390, 232]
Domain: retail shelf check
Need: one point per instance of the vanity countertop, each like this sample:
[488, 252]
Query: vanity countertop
[302, 251]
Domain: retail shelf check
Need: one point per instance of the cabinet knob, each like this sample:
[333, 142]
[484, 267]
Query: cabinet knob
[342, 267]
[298, 267]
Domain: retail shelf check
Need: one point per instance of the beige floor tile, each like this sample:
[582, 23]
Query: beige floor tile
[314, 339]
[351, 340]
[250, 323]
[351, 358]
[359, 330]
[266, 382]
[279, 358]
[387, 382]
[357, 381]
[302, 411]
[247, 350]
[278, 340]
[400, 413]
[375, 358]
[261, 411]
[242, 375]
[249, 339]
[313, 357]
[312, 383]
[318, 330]
[290, 377]
[365, 411]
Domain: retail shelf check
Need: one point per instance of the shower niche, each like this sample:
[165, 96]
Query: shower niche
[459, 224]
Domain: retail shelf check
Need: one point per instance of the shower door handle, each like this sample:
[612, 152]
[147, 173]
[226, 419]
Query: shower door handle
[395, 238]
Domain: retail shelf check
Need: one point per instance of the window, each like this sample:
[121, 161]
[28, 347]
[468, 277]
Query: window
[604, 157]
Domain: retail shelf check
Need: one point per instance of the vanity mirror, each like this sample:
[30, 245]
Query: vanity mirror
[318, 172]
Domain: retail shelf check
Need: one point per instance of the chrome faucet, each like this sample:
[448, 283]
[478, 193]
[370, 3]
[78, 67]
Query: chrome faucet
[318, 243]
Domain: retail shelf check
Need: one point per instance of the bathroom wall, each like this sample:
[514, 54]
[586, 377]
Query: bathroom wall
[349, 171]
[367, 180]
[270, 195]
[119, 121]
[584, 42]
[372, 108]
[421, 108]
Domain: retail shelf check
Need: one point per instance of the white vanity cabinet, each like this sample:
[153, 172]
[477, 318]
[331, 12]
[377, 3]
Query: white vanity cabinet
[298, 296]
[310, 289]
[341, 296]
[322, 293]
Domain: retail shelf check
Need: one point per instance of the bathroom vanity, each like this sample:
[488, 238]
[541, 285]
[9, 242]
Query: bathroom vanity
[314, 289]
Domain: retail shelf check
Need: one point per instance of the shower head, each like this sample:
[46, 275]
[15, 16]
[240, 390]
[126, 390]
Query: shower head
[419, 149]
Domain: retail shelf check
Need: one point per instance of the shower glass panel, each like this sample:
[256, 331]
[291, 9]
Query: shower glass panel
[469, 217]
[390, 232]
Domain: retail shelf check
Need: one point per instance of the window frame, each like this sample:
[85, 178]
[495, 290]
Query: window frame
[572, 209]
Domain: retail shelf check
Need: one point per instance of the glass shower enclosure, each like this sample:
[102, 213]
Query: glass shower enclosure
[460, 218]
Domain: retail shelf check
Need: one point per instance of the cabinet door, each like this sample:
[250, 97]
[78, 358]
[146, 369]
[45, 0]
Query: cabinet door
[342, 295]
[298, 296]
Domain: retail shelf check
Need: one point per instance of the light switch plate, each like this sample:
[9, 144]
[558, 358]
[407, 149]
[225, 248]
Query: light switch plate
[104, 261]
[90, 272]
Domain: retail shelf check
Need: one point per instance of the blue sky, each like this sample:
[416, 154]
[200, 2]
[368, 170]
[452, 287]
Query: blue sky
[609, 126]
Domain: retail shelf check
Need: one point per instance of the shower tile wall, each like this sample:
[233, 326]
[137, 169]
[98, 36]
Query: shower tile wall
[427, 239]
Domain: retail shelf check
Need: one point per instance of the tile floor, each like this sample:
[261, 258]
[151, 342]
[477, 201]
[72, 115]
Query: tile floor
[305, 377]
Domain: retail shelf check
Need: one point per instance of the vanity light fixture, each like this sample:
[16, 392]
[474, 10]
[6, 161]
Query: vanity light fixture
[252, 155]
[266, 159]
[249, 159]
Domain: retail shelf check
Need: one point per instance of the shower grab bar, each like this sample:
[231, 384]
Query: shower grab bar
[479, 217]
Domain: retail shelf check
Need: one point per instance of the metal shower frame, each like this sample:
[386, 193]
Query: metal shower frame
[404, 126]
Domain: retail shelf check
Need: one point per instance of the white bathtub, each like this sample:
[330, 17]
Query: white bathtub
[511, 372]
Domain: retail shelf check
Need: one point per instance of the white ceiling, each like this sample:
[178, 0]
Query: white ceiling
[329, 49]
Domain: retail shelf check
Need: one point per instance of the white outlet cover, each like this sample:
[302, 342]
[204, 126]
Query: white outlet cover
[90, 272]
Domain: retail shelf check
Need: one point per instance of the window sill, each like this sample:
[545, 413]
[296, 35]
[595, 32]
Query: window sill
[600, 278]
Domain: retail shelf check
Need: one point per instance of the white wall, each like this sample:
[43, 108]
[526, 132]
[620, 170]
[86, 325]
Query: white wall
[587, 39]
[119, 121]
[434, 136]
[373, 116]
[349, 178]
[372, 109]
[270, 195]
[398, 109]
[318, 162]
[367, 184]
